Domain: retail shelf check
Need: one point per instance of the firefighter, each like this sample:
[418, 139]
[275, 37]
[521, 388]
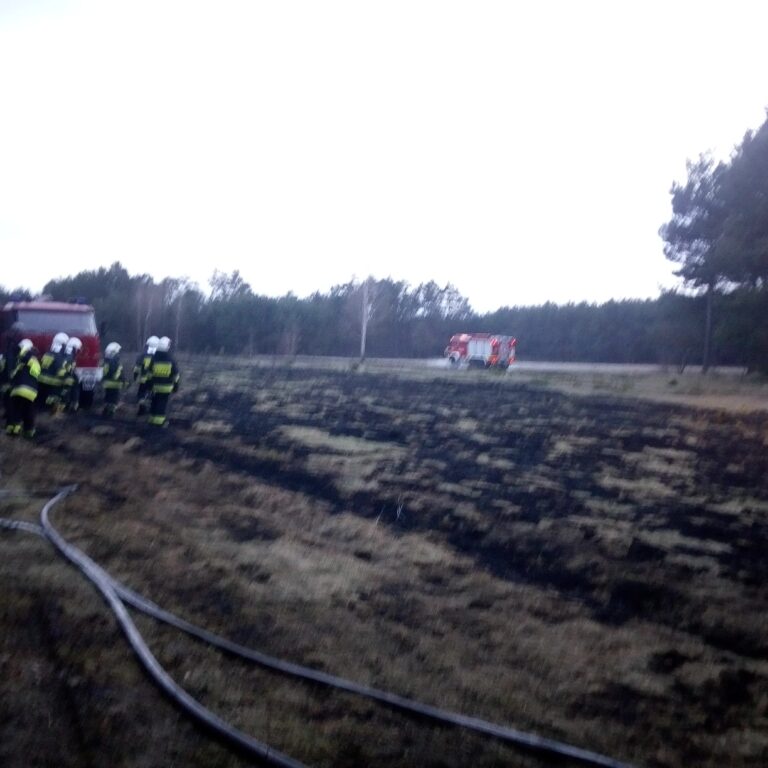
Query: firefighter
[24, 377]
[163, 379]
[70, 394]
[112, 378]
[53, 370]
[141, 372]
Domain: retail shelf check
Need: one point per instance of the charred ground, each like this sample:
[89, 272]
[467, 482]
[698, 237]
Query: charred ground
[591, 568]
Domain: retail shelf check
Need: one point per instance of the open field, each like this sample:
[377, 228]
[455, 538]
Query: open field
[542, 549]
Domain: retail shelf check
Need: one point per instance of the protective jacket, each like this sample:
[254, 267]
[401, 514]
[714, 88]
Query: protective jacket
[112, 374]
[142, 366]
[70, 361]
[53, 368]
[25, 375]
[163, 373]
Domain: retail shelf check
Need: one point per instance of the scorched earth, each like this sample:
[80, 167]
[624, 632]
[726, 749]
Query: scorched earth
[589, 568]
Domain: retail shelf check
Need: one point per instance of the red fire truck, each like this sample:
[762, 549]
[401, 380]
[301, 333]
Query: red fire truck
[39, 321]
[483, 350]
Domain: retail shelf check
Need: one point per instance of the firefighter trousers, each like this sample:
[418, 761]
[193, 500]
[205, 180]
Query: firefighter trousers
[21, 411]
[43, 393]
[158, 408]
[111, 400]
[143, 395]
[50, 396]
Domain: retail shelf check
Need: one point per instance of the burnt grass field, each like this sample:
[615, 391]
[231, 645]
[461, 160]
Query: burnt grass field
[590, 568]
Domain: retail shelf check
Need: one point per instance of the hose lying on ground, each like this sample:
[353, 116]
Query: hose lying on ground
[116, 593]
[177, 694]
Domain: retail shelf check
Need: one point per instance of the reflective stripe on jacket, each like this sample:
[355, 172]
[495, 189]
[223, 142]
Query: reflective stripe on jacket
[24, 377]
[163, 374]
[69, 377]
[53, 368]
[142, 368]
[113, 374]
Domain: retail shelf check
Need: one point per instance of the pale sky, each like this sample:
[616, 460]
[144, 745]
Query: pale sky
[523, 151]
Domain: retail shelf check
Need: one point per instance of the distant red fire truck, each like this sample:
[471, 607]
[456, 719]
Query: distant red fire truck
[483, 350]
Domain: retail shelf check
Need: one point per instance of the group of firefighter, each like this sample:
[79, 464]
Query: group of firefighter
[31, 383]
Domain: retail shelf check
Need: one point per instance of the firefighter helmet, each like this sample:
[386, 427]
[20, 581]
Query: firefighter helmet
[74, 344]
[163, 344]
[59, 340]
[112, 350]
[25, 345]
[152, 341]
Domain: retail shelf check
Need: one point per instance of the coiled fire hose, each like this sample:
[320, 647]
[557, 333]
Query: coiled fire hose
[117, 595]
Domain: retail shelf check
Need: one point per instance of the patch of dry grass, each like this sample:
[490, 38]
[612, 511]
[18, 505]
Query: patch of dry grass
[736, 393]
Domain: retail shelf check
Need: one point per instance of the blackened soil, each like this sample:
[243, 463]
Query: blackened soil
[526, 481]
[643, 515]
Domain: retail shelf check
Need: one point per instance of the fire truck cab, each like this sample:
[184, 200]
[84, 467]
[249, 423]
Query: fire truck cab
[40, 321]
[482, 350]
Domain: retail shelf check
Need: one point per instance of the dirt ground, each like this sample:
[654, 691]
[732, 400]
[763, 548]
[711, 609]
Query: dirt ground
[589, 567]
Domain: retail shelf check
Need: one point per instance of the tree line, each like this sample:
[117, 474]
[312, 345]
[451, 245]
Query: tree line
[400, 320]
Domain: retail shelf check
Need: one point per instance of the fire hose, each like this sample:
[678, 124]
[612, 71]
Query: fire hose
[117, 596]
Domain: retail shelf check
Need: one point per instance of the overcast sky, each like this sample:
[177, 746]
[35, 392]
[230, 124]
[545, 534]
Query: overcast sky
[523, 151]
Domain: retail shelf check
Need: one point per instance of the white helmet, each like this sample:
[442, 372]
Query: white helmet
[163, 344]
[74, 344]
[59, 340]
[112, 350]
[152, 342]
[25, 344]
